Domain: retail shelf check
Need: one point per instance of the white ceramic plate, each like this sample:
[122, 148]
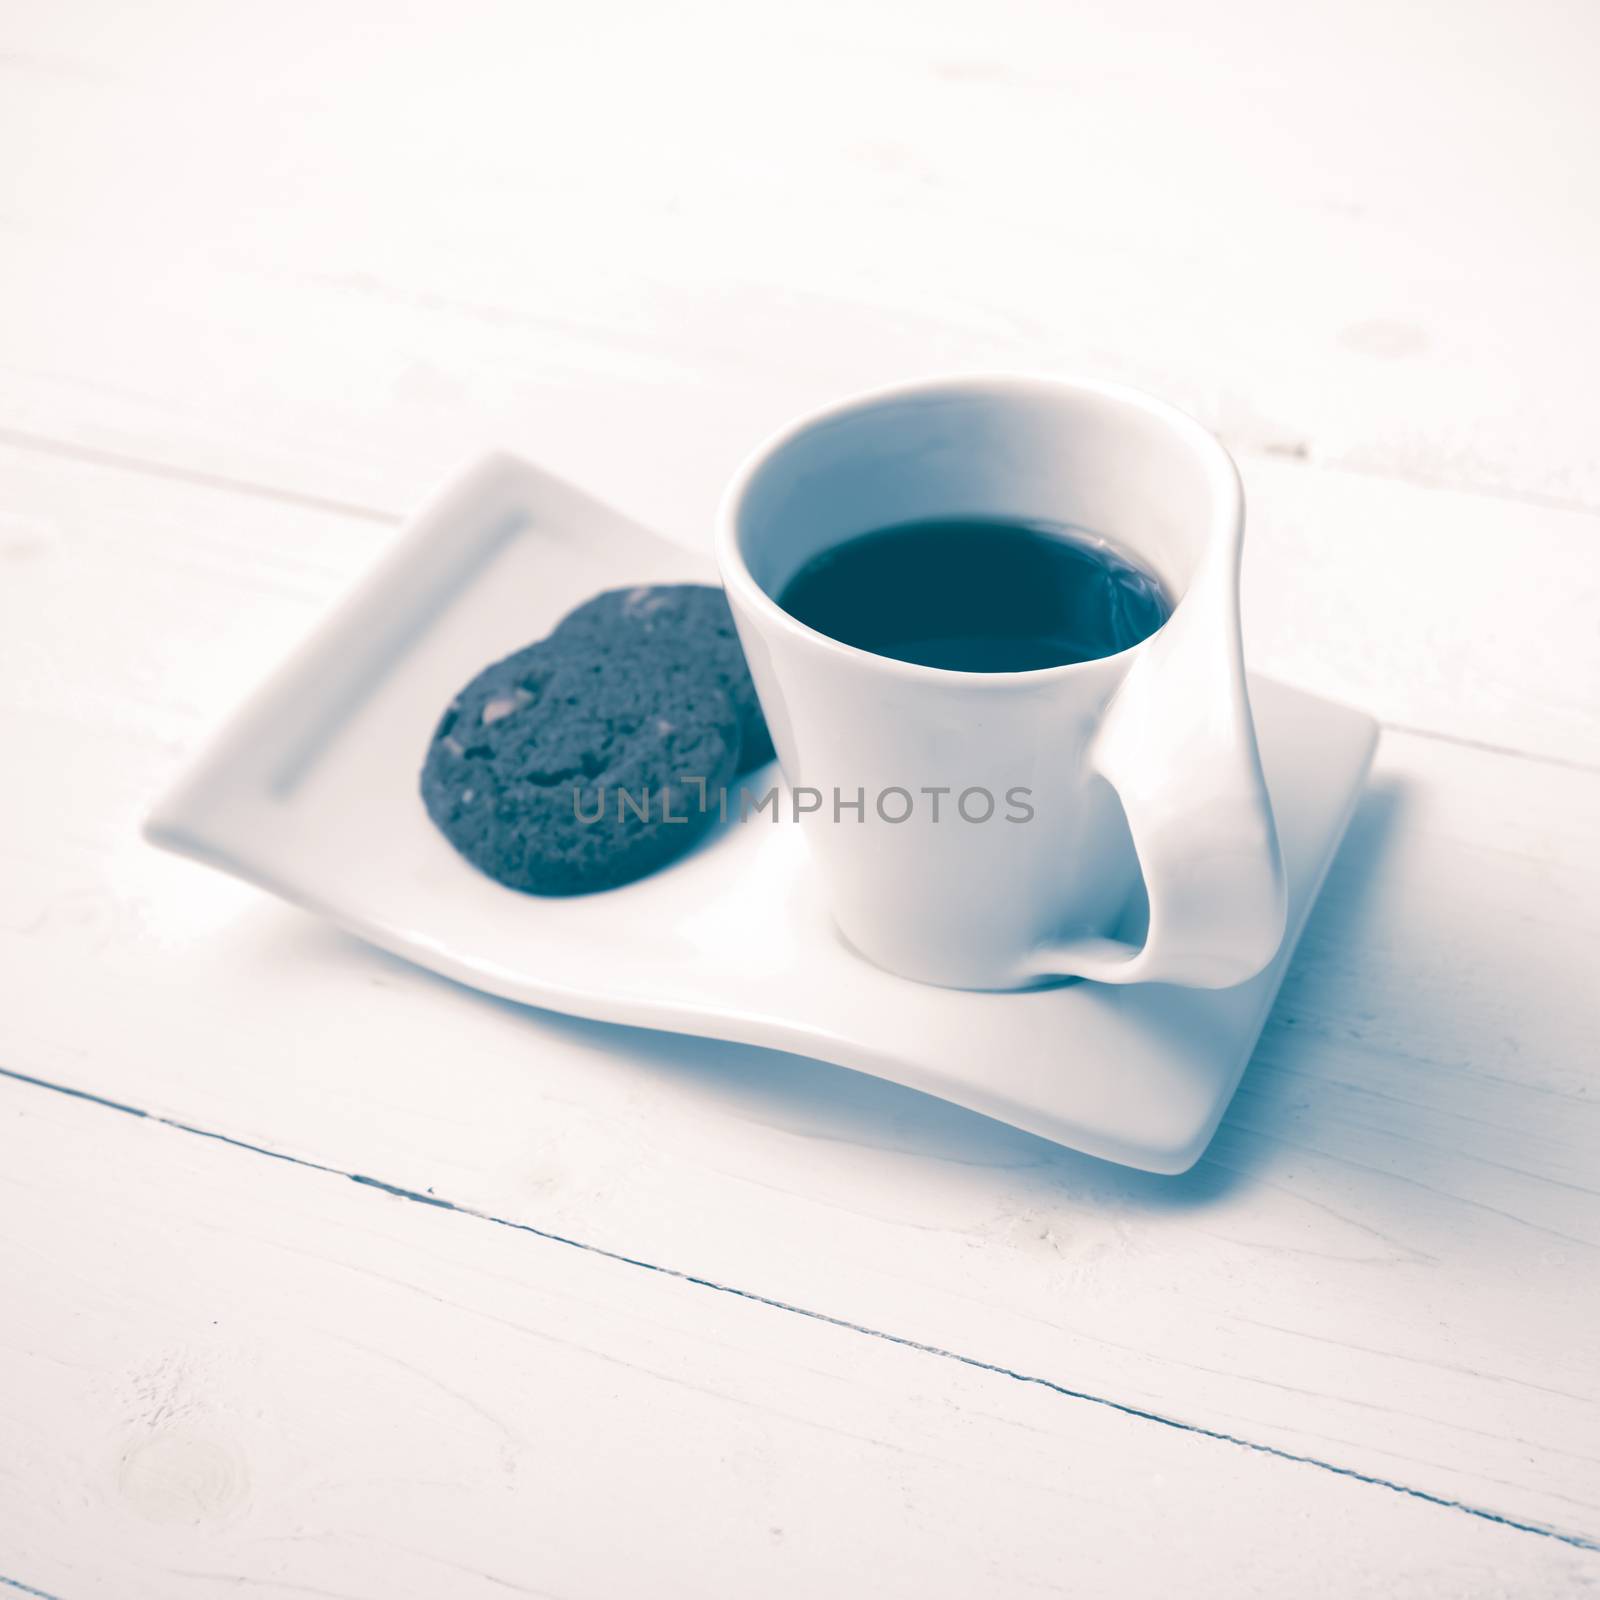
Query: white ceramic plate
[311, 792]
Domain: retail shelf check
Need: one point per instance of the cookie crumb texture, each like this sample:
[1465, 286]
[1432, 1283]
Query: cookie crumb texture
[692, 617]
[570, 767]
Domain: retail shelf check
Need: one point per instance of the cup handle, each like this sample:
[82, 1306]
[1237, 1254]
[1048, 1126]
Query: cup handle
[1178, 746]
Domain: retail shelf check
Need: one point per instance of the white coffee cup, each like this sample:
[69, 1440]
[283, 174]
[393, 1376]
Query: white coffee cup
[1137, 767]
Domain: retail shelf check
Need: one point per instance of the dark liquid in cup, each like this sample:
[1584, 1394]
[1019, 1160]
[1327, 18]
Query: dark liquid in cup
[978, 595]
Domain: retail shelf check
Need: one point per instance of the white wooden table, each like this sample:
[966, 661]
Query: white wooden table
[321, 1276]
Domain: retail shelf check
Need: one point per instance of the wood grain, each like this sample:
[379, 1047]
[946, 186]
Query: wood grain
[1380, 1264]
[229, 1372]
[332, 249]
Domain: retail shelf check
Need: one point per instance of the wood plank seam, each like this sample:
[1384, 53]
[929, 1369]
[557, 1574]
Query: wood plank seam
[92, 456]
[27, 1588]
[1304, 452]
[1299, 452]
[1137, 1413]
[1489, 747]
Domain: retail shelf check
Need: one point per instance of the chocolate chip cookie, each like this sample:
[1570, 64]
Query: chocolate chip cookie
[570, 766]
[652, 618]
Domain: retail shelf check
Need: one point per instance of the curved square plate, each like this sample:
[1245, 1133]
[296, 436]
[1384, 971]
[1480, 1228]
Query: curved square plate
[311, 793]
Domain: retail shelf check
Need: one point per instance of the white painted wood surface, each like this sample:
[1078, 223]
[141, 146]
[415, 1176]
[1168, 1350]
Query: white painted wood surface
[262, 279]
[307, 1386]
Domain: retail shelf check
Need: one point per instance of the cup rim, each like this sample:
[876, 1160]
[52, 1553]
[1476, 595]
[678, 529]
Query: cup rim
[1227, 520]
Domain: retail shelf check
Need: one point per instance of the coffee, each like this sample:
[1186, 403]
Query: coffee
[978, 595]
